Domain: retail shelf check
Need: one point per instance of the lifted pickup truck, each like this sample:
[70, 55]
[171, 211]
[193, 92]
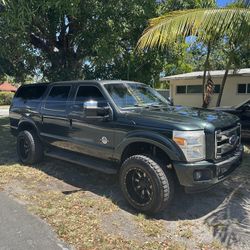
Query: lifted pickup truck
[127, 128]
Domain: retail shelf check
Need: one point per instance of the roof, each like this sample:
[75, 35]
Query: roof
[213, 73]
[7, 87]
[92, 81]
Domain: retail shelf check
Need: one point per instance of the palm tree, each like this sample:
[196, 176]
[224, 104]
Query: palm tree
[207, 25]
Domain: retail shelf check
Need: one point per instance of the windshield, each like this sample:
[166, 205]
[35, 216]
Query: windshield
[134, 95]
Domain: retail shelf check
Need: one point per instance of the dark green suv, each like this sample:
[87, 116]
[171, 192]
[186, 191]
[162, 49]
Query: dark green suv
[127, 128]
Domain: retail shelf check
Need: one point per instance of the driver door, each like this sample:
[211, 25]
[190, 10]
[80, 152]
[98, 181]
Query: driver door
[93, 136]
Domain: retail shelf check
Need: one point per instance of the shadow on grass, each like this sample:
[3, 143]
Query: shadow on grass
[226, 208]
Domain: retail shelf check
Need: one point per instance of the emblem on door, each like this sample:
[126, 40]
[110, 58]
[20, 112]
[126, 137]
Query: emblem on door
[104, 140]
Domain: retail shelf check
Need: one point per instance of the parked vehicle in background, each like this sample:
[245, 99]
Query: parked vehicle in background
[127, 128]
[243, 112]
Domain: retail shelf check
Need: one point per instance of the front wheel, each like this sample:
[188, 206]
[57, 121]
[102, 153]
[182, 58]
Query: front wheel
[145, 185]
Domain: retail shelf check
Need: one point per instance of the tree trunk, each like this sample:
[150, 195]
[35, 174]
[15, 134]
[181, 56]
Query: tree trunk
[223, 84]
[206, 66]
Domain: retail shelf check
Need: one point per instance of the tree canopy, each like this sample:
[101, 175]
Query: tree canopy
[91, 39]
[76, 39]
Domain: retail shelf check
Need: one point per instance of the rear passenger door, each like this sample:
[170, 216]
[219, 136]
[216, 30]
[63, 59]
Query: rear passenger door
[94, 137]
[54, 124]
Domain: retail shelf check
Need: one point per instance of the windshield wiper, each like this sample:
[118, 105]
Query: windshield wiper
[150, 105]
[156, 105]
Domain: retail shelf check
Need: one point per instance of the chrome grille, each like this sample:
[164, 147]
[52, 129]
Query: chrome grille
[226, 141]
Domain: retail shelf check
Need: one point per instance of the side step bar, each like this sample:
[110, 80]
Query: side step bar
[83, 160]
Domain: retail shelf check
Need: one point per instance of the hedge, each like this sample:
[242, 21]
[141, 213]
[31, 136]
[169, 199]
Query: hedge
[6, 98]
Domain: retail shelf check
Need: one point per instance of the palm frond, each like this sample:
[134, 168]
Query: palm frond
[166, 29]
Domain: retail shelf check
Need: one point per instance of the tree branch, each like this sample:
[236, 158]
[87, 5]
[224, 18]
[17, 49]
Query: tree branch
[40, 43]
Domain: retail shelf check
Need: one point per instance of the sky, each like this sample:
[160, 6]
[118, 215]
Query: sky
[222, 3]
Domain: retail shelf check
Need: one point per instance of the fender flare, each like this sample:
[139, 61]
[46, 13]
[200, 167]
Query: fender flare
[29, 122]
[163, 142]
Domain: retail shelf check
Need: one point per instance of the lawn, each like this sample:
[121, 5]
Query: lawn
[86, 209]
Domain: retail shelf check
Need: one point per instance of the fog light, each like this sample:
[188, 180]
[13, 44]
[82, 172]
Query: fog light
[202, 175]
[197, 175]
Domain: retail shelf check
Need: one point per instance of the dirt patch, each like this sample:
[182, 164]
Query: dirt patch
[87, 210]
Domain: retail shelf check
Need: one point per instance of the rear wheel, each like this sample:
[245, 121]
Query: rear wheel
[29, 147]
[145, 185]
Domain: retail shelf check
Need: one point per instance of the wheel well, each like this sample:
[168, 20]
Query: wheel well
[143, 148]
[149, 149]
[26, 126]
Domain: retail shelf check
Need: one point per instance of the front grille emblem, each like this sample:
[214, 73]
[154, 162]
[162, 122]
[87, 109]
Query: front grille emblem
[232, 139]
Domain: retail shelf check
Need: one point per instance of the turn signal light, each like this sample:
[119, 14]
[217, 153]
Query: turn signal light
[179, 141]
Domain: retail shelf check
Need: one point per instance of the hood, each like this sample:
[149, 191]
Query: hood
[183, 118]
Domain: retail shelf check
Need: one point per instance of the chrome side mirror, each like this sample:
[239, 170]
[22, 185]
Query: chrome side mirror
[94, 109]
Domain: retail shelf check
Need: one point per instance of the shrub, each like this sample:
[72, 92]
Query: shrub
[6, 98]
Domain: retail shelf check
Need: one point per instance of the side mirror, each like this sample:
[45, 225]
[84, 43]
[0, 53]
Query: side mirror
[170, 101]
[96, 110]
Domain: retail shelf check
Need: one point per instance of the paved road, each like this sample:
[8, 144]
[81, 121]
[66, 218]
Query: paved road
[4, 112]
[21, 230]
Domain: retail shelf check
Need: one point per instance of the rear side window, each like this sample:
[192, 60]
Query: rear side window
[57, 98]
[31, 92]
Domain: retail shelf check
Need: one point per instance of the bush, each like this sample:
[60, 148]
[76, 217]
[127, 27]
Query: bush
[6, 98]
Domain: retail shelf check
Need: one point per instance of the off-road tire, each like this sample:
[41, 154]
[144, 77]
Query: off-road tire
[161, 183]
[35, 151]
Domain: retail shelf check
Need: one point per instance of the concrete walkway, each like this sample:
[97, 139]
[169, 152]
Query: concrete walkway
[21, 230]
[4, 111]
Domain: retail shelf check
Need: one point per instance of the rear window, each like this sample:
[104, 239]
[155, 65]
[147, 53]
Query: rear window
[31, 92]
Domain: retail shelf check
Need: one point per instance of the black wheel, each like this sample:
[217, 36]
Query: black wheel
[145, 185]
[29, 147]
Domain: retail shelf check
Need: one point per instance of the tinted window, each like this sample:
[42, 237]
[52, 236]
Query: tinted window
[86, 93]
[31, 92]
[242, 88]
[181, 89]
[57, 98]
[194, 89]
[248, 88]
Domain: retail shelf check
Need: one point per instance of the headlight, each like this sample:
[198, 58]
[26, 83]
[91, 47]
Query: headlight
[192, 143]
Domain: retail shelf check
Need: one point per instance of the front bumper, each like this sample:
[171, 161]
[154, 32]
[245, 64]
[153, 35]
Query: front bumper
[213, 172]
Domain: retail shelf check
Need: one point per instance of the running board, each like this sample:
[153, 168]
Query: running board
[101, 165]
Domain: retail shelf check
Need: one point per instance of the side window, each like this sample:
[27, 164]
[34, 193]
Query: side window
[29, 95]
[194, 89]
[217, 88]
[31, 92]
[181, 89]
[244, 88]
[87, 93]
[57, 98]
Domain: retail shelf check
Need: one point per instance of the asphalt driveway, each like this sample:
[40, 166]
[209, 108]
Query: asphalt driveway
[21, 230]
